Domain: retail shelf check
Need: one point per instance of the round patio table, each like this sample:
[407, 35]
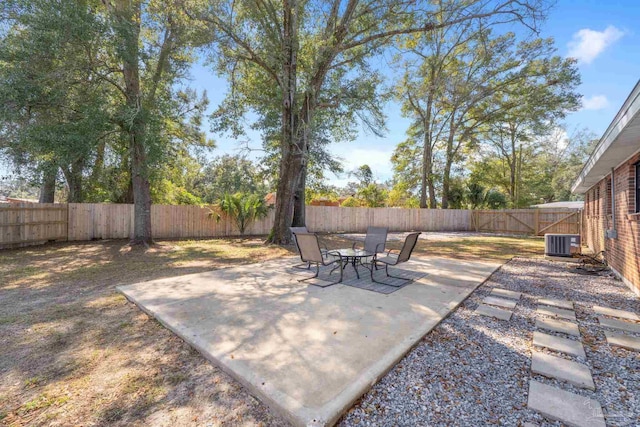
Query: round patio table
[355, 257]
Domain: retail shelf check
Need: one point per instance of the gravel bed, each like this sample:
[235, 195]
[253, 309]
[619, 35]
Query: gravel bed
[473, 370]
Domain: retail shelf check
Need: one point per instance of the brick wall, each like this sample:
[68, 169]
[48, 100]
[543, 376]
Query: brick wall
[622, 253]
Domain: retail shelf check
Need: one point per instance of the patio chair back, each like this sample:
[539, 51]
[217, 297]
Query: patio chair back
[376, 239]
[407, 248]
[309, 247]
[297, 230]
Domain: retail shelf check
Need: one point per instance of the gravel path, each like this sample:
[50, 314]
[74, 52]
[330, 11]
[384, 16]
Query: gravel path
[473, 370]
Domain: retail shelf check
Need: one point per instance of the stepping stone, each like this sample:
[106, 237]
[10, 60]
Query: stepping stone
[615, 313]
[498, 313]
[619, 324]
[558, 326]
[556, 312]
[506, 293]
[500, 302]
[562, 369]
[556, 303]
[568, 408]
[560, 344]
[623, 340]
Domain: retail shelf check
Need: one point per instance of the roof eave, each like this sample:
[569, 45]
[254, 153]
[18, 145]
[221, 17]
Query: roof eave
[628, 114]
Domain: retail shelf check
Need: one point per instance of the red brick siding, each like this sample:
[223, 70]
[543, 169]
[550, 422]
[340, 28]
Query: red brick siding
[623, 253]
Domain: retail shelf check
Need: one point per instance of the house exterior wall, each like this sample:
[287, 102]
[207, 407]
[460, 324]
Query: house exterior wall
[623, 252]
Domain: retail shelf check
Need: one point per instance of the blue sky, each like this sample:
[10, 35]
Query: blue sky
[599, 33]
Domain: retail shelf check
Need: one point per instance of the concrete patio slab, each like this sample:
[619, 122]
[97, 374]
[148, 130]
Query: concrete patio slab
[498, 313]
[561, 303]
[623, 340]
[615, 313]
[500, 302]
[563, 345]
[506, 293]
[556, 312]
[550, 366]
[307, 352]
[563, 326]
[622, 325]
[568, 408]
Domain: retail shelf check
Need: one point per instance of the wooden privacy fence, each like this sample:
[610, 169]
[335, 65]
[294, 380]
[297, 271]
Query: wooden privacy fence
[103, 221]
[25, 223]
[338, 219]
[88, 221]
[529, 221]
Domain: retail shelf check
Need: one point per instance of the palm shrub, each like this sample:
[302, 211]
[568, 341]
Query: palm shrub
[243, 209]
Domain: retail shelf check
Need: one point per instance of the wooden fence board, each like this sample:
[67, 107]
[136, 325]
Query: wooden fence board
[23, 224]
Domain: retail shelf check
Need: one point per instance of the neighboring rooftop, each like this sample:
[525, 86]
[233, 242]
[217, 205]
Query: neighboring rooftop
[619, 142]
[560, 205]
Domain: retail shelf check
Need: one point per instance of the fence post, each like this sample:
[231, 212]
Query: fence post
[536, 221]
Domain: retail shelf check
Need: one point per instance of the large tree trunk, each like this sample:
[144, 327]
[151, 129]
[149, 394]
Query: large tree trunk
[426, 181]
[433, 203]
[141, 194]
[299, 206]
[446, 184]
[427, 186]
[291, 155]
[446, 174]
[512, 172]
[128, 15]
[73, 176]
[48, 188]
[427, 152]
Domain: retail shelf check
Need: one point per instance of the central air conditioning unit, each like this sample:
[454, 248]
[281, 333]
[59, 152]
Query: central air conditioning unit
[561, 244]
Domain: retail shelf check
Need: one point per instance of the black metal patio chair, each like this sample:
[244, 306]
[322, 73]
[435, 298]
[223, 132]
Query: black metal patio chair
[300, 230]
[311, 253]
[375, 240]
[394, 259]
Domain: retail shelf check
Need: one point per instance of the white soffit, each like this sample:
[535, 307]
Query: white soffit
[620, 141]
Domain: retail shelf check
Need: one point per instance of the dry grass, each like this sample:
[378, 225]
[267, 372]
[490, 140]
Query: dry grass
[75, 352]
[465, 246]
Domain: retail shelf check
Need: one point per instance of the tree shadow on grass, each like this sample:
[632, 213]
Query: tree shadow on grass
[72, 348]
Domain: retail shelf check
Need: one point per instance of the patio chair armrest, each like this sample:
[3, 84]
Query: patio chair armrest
[378, 247]
[335, 254]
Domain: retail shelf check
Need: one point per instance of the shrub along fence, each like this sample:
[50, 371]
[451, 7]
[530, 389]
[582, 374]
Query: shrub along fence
[25, 224]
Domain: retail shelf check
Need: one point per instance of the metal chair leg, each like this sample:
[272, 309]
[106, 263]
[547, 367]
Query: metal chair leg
[312, 277]
[386, 270]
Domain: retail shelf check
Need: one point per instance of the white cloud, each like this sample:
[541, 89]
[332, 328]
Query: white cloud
[587, 44]
[596, 102]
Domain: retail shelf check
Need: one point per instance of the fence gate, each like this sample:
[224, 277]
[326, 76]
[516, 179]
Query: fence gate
[529, 221]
